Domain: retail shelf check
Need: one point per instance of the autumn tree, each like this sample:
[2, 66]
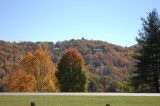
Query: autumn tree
[40, 66]
[70, 75]
[147, 55]
[18, 81]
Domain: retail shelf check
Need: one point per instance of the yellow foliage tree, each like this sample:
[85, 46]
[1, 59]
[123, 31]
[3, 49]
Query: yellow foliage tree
[42, 69]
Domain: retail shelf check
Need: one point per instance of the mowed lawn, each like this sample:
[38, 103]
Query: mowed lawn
[79, 100]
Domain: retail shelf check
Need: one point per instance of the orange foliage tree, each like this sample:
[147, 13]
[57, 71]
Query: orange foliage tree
[18, 81]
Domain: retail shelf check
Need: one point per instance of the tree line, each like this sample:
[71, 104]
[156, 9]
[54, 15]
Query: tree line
[111, 64]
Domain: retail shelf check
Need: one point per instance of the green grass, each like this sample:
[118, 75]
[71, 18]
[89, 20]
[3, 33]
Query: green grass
[79, 101]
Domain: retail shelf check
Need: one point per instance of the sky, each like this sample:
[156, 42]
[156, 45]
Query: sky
[112, 21]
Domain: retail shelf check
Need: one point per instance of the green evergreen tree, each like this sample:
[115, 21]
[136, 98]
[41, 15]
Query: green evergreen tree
[70, 75]
[146, 76]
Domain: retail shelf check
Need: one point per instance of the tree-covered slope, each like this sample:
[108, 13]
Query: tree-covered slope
[107, 64]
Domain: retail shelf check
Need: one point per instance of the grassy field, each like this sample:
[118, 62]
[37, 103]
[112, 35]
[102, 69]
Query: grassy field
[79, 101]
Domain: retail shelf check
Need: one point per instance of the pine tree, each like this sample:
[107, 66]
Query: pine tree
[147, 55]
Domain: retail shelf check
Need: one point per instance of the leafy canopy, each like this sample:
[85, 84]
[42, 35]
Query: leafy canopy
[42, 69]
[71, 75]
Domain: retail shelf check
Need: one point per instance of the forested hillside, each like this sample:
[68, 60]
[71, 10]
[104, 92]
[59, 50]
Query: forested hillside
[108, 65]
